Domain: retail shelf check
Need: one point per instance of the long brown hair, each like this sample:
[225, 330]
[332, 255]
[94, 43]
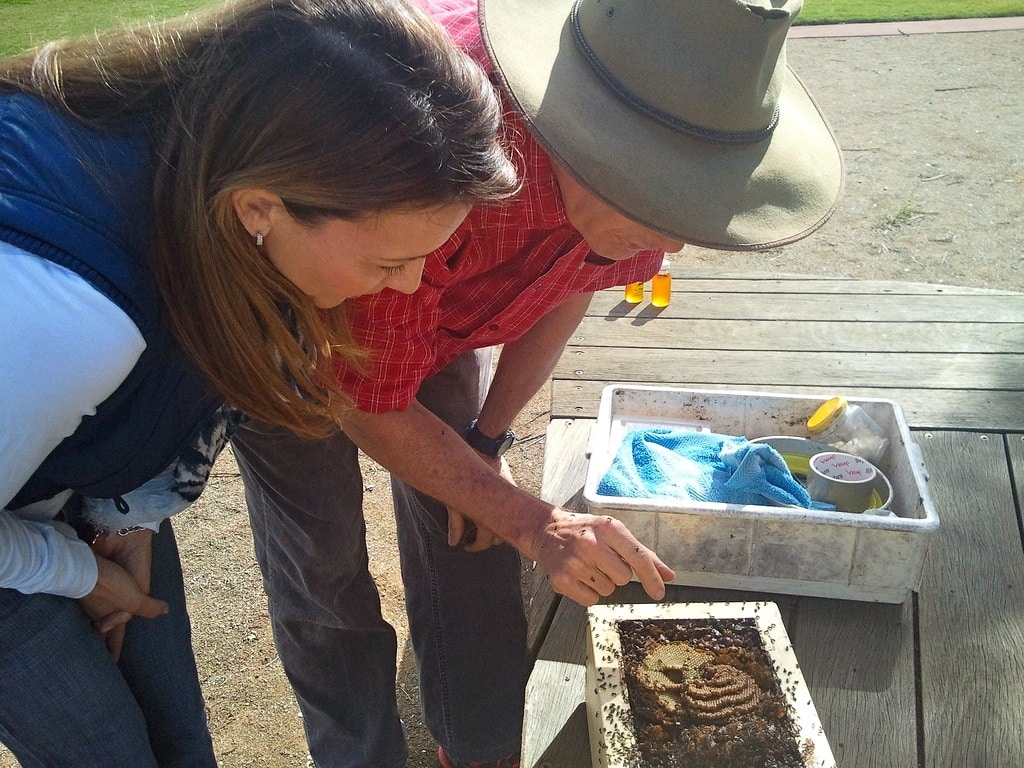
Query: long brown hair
[343, 108]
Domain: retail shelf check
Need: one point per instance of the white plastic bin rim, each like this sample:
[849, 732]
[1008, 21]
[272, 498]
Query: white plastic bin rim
[613, 410]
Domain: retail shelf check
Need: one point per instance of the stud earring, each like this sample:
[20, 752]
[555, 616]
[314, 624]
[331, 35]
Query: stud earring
[259, 239]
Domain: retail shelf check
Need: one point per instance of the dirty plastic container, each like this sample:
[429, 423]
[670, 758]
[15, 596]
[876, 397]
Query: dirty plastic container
[848, 427]
[877, 557]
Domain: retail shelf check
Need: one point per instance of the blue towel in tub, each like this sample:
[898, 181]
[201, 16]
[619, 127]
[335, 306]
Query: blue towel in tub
[702, 466]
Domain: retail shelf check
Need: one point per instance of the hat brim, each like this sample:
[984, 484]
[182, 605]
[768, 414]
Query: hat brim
[724, 196]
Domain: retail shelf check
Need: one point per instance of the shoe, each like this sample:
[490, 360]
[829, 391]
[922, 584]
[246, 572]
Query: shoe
[512, 761]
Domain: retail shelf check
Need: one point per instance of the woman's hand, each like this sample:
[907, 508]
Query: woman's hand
[122, 587]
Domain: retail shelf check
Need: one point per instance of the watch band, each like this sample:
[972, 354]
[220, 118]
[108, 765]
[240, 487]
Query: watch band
[494, 447]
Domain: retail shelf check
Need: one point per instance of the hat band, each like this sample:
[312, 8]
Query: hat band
[641, 105]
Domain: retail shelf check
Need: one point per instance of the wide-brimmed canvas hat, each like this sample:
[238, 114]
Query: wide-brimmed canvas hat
[682, 114]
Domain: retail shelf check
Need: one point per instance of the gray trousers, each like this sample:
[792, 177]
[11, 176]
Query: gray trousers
[466, 617]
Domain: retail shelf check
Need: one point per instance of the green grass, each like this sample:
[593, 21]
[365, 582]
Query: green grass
[904, 215]
[835, 11]
[25, 23]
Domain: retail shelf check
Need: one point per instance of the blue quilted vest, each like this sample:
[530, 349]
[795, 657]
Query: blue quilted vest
[82, 200]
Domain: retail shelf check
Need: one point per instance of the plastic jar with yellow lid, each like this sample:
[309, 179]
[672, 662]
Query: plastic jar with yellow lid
[848, 427]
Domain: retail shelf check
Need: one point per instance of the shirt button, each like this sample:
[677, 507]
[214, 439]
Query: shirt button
[494, 326]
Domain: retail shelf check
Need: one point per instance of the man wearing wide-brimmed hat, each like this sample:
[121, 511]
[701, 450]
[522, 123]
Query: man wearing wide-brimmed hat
[639, 125]
[681, 114]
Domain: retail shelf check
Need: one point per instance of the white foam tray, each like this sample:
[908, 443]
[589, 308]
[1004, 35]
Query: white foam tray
[613, 741]
[766, 548]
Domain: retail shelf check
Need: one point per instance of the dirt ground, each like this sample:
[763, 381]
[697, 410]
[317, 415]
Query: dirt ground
[933, 131]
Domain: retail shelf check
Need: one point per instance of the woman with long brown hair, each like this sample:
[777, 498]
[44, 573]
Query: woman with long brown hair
[184, 210]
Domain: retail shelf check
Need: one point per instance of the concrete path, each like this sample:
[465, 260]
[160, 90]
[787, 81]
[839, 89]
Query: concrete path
[908, 27]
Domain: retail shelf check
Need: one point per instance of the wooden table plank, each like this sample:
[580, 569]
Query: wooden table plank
[971, 606]
[952, 357]
[944, 308]
[785, 369]
[562, 484]
[709, 282]
[554, 723]
[799, 335]
[858, 661]
[1015, 449]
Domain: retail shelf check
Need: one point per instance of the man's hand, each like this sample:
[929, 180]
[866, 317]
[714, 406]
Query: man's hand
[586, 557]
[122, 587]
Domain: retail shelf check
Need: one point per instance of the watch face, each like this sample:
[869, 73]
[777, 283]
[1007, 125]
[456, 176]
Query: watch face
[506, 443]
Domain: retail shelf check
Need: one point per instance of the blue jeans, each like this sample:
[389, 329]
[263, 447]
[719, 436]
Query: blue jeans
[64, 702]
[466, 615]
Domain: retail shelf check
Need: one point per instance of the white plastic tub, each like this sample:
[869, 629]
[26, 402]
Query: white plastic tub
[613, 740]
[767, 548]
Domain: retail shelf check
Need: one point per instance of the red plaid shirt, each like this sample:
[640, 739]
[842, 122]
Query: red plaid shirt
[505, 267]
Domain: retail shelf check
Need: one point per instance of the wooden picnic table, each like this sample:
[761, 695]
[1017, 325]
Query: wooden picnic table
[937, 681]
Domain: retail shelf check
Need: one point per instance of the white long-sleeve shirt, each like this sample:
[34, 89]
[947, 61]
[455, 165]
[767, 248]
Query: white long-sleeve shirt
[64, 349]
